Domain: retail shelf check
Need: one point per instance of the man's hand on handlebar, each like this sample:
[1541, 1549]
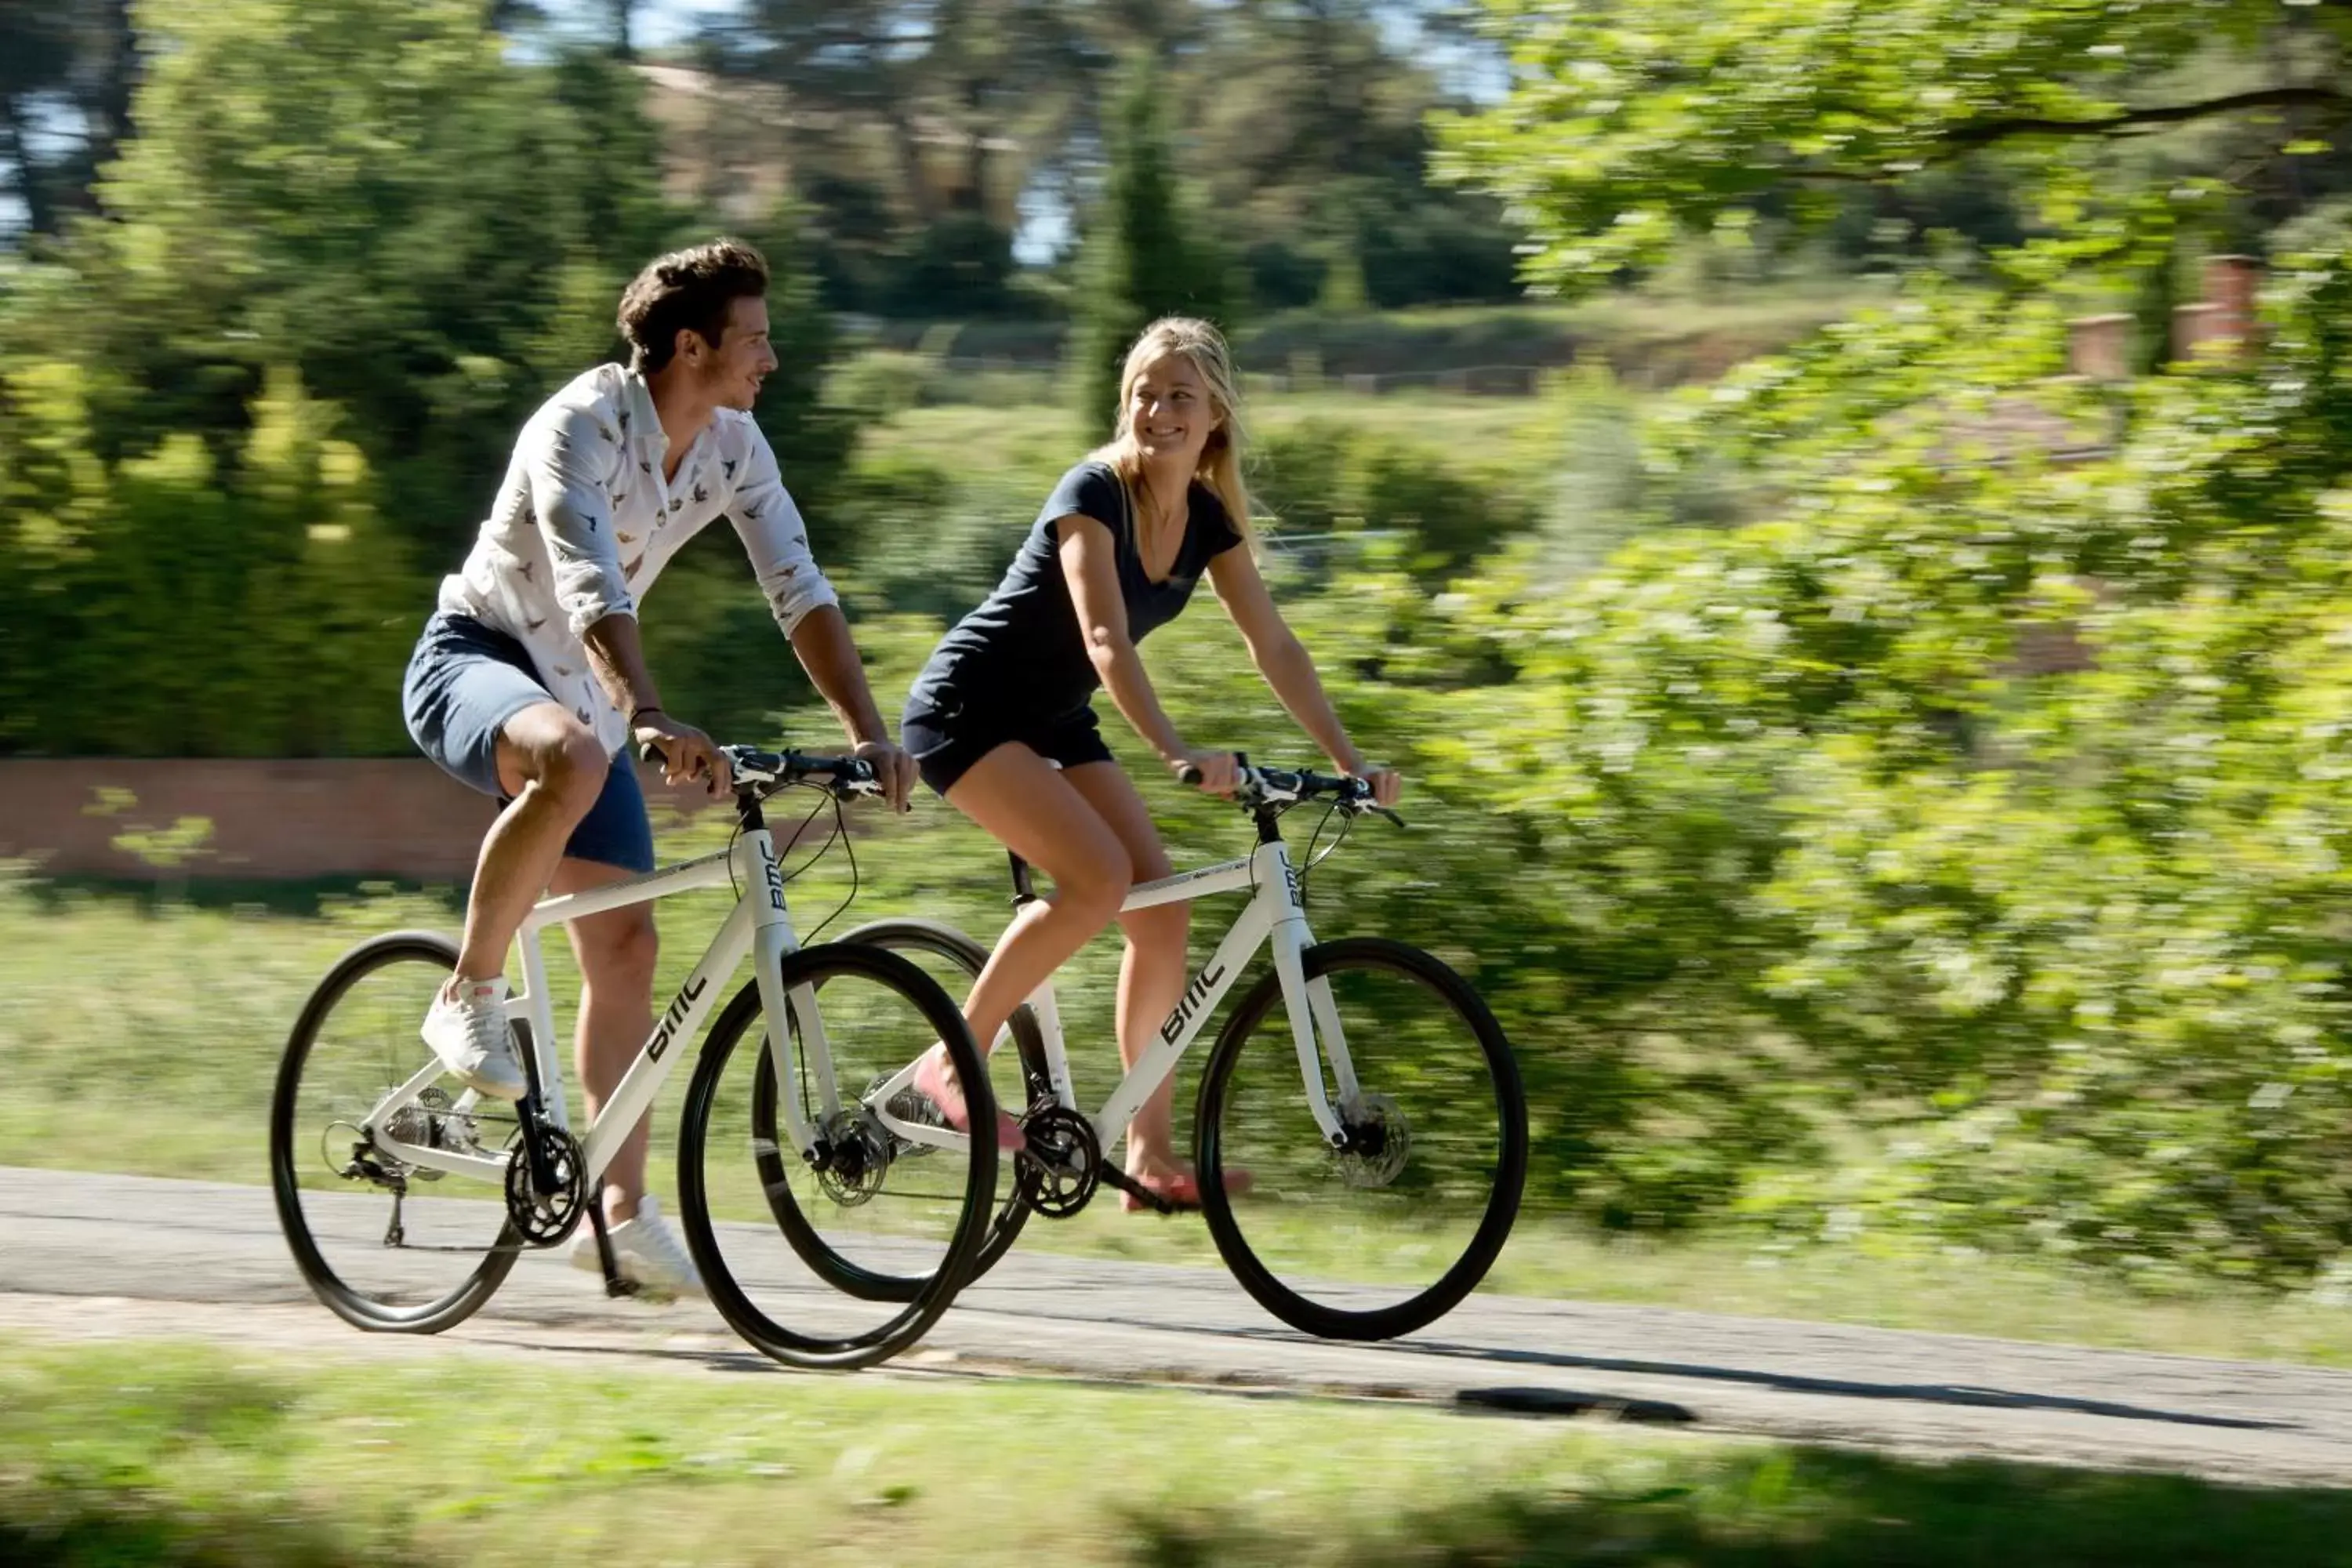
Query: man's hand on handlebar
[894, 770]
[686, 751]
[1387, 783]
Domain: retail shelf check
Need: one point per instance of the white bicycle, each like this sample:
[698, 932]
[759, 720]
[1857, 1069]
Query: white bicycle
[369, 1136]
[1362, 1084]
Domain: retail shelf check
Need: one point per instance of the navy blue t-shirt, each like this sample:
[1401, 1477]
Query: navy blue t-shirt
[1021, 656]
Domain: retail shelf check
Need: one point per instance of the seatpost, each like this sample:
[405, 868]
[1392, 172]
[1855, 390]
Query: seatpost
[1024, 891]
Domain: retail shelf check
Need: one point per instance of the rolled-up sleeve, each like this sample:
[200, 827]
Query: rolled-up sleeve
[770, 525]
[569, 455]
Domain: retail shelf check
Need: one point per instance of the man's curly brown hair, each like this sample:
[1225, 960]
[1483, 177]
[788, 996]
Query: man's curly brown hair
[693, 290]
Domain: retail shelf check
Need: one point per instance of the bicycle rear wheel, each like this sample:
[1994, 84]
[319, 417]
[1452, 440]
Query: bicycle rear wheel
[891, 1210]
[1388, 1235]
[385, 1245]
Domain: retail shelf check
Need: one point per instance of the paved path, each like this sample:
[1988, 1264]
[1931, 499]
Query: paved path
[98, 1256]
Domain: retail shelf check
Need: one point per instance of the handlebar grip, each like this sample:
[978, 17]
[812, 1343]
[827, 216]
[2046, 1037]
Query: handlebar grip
[1187, 773]
[649, 752]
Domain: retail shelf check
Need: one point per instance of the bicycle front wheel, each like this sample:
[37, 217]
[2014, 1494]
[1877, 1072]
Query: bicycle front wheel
[879, 1207]
[386, 1245]
[1385, 1235]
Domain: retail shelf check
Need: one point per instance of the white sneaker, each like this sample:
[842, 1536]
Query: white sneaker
[649, 1254]
[470, 1034]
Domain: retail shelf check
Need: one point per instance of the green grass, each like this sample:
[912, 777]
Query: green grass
[139, 1453]
[142, 1036]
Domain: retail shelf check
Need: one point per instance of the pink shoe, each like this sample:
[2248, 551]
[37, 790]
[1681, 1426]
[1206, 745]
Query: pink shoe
[1182, 1191]
[935, 1080]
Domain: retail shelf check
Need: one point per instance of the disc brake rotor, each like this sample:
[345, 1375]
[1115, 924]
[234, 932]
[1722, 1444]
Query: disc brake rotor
[1379, 1139]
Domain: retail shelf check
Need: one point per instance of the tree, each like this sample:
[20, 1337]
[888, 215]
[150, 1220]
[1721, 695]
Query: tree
[912, 129]
[2054, 937]
[67, 73]
[1621, 134]
[1145, 258]
[363, 222]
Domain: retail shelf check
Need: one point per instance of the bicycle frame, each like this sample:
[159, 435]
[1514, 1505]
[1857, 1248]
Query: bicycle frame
[1276, 914]
[758, 925]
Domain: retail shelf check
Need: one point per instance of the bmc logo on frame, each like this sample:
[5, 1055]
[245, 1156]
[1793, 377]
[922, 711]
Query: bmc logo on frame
[694, 987]
[1194, 995]
[774, 871]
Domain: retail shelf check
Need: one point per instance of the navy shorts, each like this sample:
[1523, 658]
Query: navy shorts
[945, 744]
[464, 682]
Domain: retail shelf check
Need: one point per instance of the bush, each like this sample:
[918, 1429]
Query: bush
[1319, 477]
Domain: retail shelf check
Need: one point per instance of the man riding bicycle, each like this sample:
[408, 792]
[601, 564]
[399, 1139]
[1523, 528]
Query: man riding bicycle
[528, 683]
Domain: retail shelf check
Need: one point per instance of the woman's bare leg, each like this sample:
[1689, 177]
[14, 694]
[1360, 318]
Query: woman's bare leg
[1027, 804]
[1151, 976]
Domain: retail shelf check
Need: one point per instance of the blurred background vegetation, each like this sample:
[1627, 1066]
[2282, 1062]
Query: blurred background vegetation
[1892, 788]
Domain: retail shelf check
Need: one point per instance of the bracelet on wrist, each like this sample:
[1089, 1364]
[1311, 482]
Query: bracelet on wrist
[641, 712]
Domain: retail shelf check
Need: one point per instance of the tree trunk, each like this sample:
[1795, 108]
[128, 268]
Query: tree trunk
[32, 185]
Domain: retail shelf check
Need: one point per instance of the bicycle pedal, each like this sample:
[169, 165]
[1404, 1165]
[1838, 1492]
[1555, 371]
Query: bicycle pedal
[1138, 1191]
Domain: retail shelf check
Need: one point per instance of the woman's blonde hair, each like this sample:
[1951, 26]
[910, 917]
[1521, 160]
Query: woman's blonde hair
[1221, 460]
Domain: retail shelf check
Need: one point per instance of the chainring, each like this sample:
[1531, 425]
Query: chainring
[544, 1219]
[1058, 1172]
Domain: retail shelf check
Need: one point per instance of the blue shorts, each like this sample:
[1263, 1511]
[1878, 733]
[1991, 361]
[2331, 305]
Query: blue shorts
[464, 682]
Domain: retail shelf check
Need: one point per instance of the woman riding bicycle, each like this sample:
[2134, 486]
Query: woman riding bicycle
[1000, 721]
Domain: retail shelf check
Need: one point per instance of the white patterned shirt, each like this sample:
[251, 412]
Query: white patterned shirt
[585, 522]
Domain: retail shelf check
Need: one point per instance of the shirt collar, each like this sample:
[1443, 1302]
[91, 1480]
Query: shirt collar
[642, 419]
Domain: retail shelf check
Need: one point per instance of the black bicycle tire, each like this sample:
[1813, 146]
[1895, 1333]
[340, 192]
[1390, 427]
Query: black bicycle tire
[762, 1332]
[1510, 1176]
[1012, 1215]
[285, 1148]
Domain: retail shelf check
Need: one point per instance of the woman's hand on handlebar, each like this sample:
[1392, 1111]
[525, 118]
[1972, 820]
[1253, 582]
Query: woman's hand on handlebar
[1386, 783]
[686, 751]
[1218, 773]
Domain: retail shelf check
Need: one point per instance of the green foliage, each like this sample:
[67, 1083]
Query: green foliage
[1990, 811]
[1144, 258]
[1620, 138]
[174, 602]
[258, 410]
[1319, 477]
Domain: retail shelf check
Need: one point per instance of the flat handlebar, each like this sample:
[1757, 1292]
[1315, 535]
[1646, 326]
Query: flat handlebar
[763, 772]
[1279, 786]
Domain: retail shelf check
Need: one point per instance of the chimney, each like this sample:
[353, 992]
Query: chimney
[2097, 347]
[2221, 326]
